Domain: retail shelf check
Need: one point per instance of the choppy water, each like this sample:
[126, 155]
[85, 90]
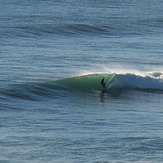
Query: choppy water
[53, 55]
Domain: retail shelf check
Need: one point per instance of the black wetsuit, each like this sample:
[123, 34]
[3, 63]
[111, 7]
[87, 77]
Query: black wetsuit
[103, 83]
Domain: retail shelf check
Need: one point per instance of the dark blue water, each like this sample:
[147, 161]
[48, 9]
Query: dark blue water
[53, 56]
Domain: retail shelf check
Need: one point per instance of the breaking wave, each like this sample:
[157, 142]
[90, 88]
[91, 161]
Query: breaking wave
[153, 81]
[87, 83]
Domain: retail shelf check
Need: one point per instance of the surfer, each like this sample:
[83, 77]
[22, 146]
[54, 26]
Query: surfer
[103, 84]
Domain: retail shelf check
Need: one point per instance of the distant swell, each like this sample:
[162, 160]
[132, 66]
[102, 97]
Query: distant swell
[58, 29]
[72, 29]
[86, 83]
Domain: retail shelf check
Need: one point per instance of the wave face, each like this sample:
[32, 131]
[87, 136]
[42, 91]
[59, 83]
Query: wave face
[86, 83]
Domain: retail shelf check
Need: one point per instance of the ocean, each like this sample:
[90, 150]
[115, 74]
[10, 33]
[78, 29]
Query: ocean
[53, 56]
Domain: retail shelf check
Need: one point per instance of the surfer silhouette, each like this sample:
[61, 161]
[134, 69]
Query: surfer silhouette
[103, 84]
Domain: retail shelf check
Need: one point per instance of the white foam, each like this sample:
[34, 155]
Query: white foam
[136, 81]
